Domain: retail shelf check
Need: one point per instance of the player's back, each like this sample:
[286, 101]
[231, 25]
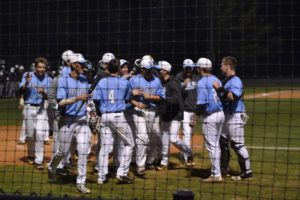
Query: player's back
[112, 93]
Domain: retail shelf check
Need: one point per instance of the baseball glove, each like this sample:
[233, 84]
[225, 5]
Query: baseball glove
[94, 124]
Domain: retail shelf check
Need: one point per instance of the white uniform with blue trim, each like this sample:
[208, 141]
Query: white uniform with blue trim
[111, 93]
[147, 122]
[213, 119]
[73, 124]
[35, 114]
[233, 128]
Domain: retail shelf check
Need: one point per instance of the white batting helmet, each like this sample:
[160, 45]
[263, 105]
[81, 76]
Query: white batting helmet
[188, 63]
[107, 57]
[165, 65]
[145, 63]
[65, 56]
[204, 63]
[148, 57]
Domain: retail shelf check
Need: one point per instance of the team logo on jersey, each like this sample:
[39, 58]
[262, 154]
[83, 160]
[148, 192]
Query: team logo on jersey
[191, 86]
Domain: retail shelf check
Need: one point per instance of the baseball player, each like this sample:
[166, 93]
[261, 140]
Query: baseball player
[231, 95]
[210, 108]
[103, 64]
[53, 110]
[71, 91]
[34, 87]
[189, 97]
[147, 93]
[110, 98]
[171, 115]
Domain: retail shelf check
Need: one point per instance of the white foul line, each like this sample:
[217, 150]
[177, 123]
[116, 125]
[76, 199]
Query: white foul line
[275, 148]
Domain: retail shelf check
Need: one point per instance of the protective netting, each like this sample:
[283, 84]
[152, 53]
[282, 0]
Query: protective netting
[262, 35]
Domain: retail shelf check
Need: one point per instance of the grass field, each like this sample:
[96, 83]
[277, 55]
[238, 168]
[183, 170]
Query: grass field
[272, 135]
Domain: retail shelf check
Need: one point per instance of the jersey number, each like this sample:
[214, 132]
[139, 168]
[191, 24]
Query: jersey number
[111, 96]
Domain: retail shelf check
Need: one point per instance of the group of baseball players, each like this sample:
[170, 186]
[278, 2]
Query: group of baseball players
[136, 114]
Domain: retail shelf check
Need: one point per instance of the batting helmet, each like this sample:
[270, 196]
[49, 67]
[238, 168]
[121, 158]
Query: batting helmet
[204, 63]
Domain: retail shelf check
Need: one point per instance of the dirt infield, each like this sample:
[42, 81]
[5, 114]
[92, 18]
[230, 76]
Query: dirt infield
[12, 153]
[283, 94]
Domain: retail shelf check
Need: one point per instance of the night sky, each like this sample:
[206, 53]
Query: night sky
[263, 36]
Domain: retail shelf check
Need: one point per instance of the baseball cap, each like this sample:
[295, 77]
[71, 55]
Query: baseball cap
[107, 57]
[165, 65]
[145, 63]
[123, 62]
[65, 56]
[77, 58]
[188, 63]
[21, 67]
[204, 63]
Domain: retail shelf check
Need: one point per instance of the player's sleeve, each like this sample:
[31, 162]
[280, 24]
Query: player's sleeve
[237, 87]
[202, 93]
[128, 91]
[61, 88]
[96, 93]
[23, 81]
[160, 91]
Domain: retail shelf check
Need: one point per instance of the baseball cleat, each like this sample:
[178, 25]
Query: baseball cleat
[82, 189]
[102, 180]
[162, 167]
[30, 160]
[190, 162]
[213, 179]
[247, 176]
[125, 179]
[61, 171]
[150, 166]
[39, 166]
[141, 171]
[51, 174]
[21, 142]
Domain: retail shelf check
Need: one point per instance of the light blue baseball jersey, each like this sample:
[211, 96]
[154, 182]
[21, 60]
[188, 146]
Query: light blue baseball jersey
[207, 95]
[31, 96]
[66, 70]
[235, 86]
[152, 87]
[68, 87]
[112, 92]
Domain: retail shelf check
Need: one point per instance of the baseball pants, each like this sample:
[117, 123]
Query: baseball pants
[212, 129]
[233, 129]
[115, 125]
[36, 123]
[187, 130]
[170, 132]
[73, 128]
[148, 136]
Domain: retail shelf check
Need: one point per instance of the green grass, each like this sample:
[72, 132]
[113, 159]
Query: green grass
[10, 115]
[272, 123]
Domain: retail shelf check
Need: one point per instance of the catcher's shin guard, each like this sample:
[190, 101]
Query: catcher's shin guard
[225, 154]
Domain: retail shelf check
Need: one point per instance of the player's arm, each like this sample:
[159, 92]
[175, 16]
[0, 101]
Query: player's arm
[25, 81]
[202, 98]
[224, 93]
[64, 102]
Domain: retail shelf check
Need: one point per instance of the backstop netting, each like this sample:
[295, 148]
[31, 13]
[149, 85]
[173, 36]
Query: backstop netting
[262, 35]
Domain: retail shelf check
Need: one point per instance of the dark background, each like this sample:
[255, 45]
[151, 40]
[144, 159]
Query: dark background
[263, 35]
